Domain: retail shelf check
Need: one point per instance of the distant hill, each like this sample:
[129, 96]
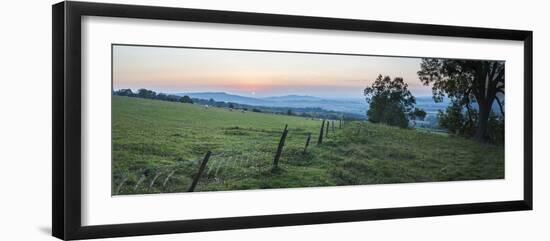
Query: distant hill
[293, 98]
[354, 106]
[429, 105]
[291, 101]
[222, 96]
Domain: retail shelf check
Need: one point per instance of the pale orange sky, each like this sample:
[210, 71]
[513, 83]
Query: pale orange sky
[256, 73]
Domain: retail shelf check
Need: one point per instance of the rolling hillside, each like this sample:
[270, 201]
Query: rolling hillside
[157, 146]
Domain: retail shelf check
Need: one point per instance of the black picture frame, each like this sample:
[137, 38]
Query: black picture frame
[66, 128]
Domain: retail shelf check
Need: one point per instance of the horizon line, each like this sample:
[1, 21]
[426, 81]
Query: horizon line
[243, 95]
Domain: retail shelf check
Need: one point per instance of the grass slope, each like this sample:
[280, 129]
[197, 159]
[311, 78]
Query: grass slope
[157, 147]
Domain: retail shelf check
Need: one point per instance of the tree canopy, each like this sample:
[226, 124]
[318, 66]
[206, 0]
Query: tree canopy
[147, 94]
[466, 82]
[124, 92]
[186, 99]
[390, 101]
[418, 114]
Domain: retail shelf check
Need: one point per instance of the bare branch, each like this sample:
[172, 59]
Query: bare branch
[500, 106]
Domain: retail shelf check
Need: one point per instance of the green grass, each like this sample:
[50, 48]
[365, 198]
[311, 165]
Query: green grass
[157, 147]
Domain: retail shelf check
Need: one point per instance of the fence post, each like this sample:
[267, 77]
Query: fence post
[326, 132]
[307, 142]
[199, 173]
[320, 141]
[280, 148]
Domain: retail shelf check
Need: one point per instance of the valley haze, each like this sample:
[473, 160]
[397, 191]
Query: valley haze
[347, 105]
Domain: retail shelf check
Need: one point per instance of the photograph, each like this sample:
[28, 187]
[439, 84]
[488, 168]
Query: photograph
[193, 119]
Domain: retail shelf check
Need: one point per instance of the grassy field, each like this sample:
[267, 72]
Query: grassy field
[157, 147]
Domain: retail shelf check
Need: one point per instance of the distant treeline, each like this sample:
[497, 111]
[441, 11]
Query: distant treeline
[303, 112]
[149, 94]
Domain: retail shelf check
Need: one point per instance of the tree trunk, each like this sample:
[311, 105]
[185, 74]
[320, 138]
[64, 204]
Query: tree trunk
[483, 120]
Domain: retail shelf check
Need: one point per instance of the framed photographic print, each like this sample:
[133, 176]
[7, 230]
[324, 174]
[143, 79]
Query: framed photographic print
[169, 120]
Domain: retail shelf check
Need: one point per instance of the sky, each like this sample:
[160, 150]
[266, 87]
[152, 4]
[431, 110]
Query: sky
[256, 73]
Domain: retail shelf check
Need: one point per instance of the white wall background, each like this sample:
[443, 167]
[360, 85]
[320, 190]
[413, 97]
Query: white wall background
[25, 119]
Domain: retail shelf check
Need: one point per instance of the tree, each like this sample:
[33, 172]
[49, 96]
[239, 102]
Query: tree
[454, 119]
[289, 112]
[466, 82]
[161, 96]
[173, 98]
[418, 114]
[124, 92]
[147, 94]
[390, 101]
[186, 99]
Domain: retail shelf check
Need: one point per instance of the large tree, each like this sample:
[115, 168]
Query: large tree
[466, 82]
[124, 92]
[147, 94]
[186, 99]
[390, 101]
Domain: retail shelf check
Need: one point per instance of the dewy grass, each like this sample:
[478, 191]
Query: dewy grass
[157, 147]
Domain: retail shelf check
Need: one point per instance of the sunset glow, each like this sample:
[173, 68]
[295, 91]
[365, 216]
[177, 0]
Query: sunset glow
[256, 73]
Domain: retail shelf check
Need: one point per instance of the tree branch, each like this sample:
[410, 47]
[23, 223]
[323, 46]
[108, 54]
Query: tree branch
[500, 106]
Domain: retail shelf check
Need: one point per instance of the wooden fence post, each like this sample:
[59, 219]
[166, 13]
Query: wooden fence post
[320, 141]
[307, 142]
[326, 132]
[199, 173]
[280, 148]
